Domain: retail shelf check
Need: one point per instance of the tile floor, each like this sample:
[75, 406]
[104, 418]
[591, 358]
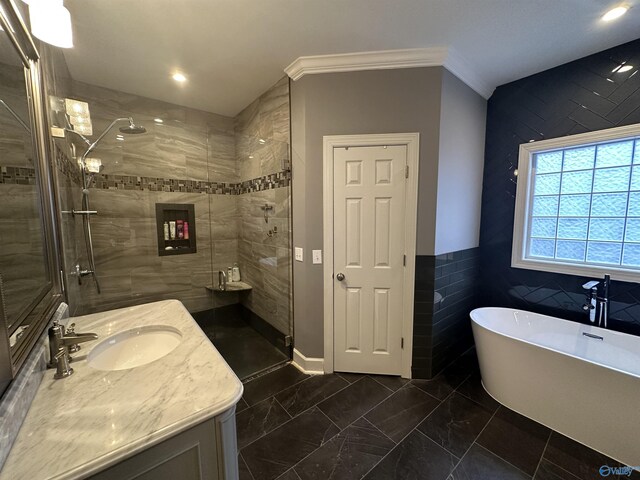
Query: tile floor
[293, 426]
[246, 351]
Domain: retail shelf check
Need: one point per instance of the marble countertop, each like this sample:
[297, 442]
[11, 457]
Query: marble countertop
[82, 424]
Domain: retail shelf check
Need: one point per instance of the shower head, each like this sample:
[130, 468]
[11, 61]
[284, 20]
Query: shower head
[132, 128]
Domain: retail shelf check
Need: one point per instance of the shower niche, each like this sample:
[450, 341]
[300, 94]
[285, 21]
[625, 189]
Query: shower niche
[176, 227]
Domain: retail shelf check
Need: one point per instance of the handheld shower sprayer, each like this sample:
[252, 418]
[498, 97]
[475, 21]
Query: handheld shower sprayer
[89, 170]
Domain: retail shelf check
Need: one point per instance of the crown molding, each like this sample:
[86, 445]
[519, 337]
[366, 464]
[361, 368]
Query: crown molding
[391, 59]
[380, 60]
[461, 69]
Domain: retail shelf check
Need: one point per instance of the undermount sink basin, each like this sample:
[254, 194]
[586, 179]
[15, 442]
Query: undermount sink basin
[135, 347]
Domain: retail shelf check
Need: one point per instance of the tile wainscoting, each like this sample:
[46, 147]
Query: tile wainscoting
[445, 293]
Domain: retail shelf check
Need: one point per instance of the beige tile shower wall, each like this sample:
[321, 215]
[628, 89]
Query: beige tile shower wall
[177, 148]
[189, 145]
[265, 261]
[262, 144]
[125, 238]
[262, 132]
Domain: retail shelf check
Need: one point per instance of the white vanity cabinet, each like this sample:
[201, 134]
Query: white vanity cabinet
[172, 418]
[205, 452]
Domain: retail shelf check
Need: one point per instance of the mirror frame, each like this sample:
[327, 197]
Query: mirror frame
[39, 312]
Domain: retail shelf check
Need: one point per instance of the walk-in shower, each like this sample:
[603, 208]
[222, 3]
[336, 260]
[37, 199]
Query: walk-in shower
[88, 171]
[198, 194]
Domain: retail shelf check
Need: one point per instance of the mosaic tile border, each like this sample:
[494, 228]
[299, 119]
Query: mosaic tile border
[267, 182]
[159, 184]
[17, 176]
[68, 168]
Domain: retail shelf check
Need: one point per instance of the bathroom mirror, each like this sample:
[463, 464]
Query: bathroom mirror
[28, 293]
[24, 275]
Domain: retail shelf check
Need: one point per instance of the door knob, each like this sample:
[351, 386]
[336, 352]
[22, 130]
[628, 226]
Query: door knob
[340, 277]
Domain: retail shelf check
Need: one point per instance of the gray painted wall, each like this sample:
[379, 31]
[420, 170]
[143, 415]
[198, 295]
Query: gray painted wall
[384, 101]
[460, 166]
[450, 118]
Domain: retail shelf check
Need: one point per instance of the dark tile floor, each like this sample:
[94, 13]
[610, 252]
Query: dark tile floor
[246, 351]
[293, 426]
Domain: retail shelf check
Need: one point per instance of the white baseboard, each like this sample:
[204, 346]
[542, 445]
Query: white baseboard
[310, 366]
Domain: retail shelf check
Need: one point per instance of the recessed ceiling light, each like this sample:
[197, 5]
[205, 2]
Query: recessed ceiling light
[622, 68]
[250, 156]
[179, 77]
[615, 13]
[158, 120]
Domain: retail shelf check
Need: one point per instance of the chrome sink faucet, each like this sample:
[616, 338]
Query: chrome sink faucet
[61, 342]
[597, 304]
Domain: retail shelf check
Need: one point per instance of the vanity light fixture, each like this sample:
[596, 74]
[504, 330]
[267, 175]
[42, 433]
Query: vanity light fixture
[614, 13]
[78, 116]
[85, 129]
[179, 77]
[76, 107]
[51, 22]
[262, 141]
[78, 120]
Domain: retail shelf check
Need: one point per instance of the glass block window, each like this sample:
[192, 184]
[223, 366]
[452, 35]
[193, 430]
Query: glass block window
[579, 206]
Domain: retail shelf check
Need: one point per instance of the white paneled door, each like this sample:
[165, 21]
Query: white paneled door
[368, 258]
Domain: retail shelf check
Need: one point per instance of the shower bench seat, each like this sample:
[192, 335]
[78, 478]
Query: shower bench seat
[231, 287]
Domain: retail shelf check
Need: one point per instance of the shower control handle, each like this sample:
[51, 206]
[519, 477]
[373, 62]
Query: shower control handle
[340, 277]
[81, 272]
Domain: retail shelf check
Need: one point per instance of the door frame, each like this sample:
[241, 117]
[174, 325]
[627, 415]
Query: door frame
[412, 142]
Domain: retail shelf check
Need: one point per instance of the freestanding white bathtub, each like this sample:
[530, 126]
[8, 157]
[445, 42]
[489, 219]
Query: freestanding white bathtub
[579, 380]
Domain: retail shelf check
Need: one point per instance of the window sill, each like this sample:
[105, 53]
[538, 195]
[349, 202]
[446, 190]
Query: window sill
[581, 270]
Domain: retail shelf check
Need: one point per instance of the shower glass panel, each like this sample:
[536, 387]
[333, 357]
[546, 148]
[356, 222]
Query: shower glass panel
[250, 214]
[165, 165]
[223, 182]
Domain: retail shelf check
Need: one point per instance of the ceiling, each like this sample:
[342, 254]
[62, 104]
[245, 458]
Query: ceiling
[233, 50]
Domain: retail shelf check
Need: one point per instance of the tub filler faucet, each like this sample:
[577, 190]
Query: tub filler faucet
[597, 304]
